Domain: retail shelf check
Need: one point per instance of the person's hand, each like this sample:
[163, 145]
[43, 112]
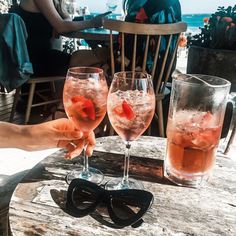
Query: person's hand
[63, 134]
[97, 21]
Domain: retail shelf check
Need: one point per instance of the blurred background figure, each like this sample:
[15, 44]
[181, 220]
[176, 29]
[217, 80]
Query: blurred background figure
[44, 21]
[151, 12]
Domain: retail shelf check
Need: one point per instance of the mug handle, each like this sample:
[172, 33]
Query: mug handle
[228, 140]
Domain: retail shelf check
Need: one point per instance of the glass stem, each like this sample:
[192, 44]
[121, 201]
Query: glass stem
[86, 165]
[125, 180]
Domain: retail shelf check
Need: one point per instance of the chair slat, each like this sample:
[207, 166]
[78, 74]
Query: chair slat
[163, 64]
[122, 52]
[144, 29]
[112, 55]
[156, 56]
[145, 54]
[134, 53]
[172, 60]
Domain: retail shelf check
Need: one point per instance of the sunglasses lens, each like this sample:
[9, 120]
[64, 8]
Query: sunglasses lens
[128, 206]
[124, 207]
[84, 197]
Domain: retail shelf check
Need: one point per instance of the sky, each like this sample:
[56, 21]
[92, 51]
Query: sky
[188, 6]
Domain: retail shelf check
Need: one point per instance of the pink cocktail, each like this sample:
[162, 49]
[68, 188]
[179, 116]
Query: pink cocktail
[85, 100]
[130, 113]
[130, 107]
[196, 114]
[192, 144]
[85, 103]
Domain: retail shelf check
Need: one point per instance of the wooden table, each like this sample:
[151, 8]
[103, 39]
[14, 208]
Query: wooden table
[36, 207]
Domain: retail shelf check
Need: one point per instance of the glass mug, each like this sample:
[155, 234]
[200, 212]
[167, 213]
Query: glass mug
[196, 114]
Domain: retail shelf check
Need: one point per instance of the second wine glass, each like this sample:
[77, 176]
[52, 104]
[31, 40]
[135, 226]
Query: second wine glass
[130, 107]
[85, 97]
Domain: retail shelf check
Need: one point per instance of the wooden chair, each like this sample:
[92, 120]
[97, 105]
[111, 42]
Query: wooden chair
[169, 31]
[51, 91]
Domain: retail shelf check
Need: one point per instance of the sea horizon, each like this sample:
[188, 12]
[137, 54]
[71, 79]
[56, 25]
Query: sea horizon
[195, 21]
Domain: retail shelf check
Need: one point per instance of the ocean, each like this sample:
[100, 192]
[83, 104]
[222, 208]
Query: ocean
[194, 21]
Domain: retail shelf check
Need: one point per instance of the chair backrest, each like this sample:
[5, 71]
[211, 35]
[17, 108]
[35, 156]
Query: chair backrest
[170, 33]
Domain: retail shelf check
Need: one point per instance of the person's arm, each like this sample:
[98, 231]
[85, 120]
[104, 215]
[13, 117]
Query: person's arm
[57, 133]
[48, 9]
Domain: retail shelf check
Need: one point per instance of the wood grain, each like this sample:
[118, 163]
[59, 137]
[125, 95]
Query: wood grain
[38, 204]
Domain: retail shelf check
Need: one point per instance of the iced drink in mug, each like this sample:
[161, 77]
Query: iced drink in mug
[196, 114]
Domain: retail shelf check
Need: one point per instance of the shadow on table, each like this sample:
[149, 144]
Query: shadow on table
[56, 167]
[101, 214]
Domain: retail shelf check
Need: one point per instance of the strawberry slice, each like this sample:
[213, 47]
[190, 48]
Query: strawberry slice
[119, 111]
[125, 110]
[78, 98]
[78, 109]
[84, 107]
[89, 109]
[128, 110]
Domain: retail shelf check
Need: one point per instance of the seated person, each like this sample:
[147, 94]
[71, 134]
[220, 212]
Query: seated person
[151, 12]
[42, 19]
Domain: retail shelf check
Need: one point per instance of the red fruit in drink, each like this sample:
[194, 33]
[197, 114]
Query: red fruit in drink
[125, 110]
[89, 109]
[77, 98]
[128, 110]
[84, 107]
[119, 111]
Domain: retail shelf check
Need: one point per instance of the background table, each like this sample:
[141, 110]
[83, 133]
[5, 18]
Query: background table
[37, 204]
[95, 34]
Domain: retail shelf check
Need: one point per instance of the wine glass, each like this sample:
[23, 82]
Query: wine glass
[111, 5]
[85, 97]
[130, 108]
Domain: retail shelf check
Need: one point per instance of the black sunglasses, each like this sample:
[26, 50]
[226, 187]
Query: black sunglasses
[125, 207]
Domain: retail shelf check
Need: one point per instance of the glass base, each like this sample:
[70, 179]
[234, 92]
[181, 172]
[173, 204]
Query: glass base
[192, 181]
[92, 175]
[118, 184]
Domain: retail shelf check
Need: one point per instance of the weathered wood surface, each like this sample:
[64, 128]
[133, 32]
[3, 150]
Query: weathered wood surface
[37, 204]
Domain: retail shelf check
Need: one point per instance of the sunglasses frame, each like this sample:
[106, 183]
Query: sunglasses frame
[142, 197]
